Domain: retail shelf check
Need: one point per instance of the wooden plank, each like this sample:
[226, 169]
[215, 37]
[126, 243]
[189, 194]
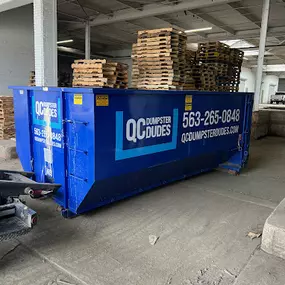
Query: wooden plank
[99, 80]
[80, 76]
[155, 31]
[90, 61]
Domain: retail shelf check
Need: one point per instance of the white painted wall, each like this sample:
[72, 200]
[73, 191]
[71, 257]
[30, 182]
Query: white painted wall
[266, 91]
[247, 77]
[248, 81]
[16, 47]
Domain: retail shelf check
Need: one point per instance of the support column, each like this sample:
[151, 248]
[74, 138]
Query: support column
[87, 40]
[45, 42]
[262, 42]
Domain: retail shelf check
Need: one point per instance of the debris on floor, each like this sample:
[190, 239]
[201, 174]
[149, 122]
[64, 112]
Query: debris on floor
[253, 235]
[153, 239]
[230, 273]
[169, 280]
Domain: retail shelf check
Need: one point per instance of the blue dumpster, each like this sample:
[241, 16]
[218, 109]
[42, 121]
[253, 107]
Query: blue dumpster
[104, 145]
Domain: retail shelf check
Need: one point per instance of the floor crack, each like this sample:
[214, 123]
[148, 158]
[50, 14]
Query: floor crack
[10, 251]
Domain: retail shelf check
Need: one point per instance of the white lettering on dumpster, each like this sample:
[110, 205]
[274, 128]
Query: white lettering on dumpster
[46, 109]
[207, 134]
[146, 128]
[210, 118]
[43, 140]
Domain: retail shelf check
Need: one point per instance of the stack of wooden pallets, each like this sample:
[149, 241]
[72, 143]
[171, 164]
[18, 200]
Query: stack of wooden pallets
[7, 128]
[213, 52]
[189, 82]
[225, 61]
[32, 81]
[135, 67]
[234, 69]
[99, 73]
[122, 76]
[160, 56]
[208, 78]
[182, 57]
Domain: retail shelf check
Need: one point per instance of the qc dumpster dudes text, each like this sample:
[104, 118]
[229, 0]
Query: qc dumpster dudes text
[206, 122]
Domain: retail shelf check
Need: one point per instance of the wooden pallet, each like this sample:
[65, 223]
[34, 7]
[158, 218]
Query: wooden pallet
[157, 87]
[166, 39]
[158, 32]
[7, 129]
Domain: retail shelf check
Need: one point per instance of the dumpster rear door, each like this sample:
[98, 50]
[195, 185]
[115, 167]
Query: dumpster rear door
[48, 148]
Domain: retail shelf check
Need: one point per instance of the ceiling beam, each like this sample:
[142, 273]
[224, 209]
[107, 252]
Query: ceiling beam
[243, 34]
[72, 16]
[74, 3]
[245, 12]
[155, 10]
[166, 23]
[6, 5]
[212, 21]
[267, 46]
[266, 62]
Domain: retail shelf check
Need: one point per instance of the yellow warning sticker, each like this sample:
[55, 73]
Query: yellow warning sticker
[188, 99]
[188, 106]
[77, 99]
[188, 103]
[102, 100]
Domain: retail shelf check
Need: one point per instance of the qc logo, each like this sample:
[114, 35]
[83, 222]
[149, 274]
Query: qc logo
[47, 113]
[145, 132]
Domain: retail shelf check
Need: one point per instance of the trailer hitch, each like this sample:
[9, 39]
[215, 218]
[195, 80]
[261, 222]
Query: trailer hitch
[15, 183]
[38, 193]
[15, 217]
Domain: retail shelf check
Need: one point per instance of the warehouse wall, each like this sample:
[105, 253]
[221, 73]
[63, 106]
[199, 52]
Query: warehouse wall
[247, 77]
[269, 87]
[281, 85]
[16, 47]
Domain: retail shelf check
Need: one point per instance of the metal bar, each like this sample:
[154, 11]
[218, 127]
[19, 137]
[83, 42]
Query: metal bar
[24, 173]
[82, 8]
[71, 16]
[262, 42]
[155, 10]
[243, 34]
[213, 21]
[87, 40]
[267, 46]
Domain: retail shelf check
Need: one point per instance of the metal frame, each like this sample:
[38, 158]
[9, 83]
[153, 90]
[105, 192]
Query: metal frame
[262, 42]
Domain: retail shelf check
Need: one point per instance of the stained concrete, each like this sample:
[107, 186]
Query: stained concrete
[201, 223]
[8, 149]
[262, 269]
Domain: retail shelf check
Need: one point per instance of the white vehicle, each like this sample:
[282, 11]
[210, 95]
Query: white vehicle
[278, 98]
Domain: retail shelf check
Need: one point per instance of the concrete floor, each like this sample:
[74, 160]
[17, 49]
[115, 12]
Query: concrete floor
[201, 223]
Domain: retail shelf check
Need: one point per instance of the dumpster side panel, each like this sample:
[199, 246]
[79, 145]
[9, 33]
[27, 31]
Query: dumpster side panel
[146, 139]
[147, 130]
[23, 127]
